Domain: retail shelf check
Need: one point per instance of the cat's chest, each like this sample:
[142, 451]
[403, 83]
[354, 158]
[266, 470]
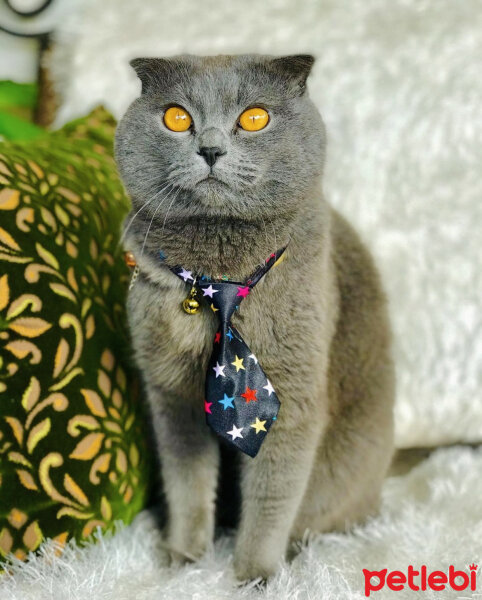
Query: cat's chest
[157, 313]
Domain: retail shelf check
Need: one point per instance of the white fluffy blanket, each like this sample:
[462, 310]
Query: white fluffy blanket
[399, 86]
[431, 516]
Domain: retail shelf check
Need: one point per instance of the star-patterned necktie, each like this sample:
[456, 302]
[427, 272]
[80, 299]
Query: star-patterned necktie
[240, 402]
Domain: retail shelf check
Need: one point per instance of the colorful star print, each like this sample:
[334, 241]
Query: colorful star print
[209, 291]
[235, 432]
[268, 387]
[250, 395]
[219, 370]
[258, 425]
[241, 404]
[186, 275]
[238, 363]
[243, 291]
[227, 402]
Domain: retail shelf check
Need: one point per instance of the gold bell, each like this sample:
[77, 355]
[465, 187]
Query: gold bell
[130, 259]
[190, 304]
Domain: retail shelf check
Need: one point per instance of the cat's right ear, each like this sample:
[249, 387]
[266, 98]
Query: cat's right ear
[149, 70]
[295, 70]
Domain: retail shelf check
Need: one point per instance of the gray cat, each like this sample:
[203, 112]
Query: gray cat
[218, 198]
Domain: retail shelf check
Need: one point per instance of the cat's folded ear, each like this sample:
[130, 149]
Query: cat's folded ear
[150, 70]
[295, 69]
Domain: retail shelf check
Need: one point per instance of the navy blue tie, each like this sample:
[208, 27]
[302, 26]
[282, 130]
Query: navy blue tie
[240, 402]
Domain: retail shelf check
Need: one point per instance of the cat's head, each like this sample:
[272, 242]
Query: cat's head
[227, 135]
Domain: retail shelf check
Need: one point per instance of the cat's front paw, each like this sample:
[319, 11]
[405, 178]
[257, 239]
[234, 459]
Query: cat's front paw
[250, 568]
[178, 557]
[189, 541]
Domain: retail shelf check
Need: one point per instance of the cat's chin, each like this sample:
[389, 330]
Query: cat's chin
[211, 192]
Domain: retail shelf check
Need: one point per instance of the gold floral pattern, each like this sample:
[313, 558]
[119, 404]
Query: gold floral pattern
[72, 454]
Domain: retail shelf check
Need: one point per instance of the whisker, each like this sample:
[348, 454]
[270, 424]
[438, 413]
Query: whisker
[141, 208]
[151, 221]
[274, 234]
[167, 213]
[265, 230]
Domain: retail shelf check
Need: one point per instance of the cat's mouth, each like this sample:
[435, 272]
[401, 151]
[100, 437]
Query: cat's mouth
[211, 179]
[211, 192]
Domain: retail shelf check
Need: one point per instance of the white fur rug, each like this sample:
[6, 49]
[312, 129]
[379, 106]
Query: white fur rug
[431, 516]
[398, 83]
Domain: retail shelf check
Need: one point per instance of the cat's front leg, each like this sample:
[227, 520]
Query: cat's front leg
[273, 485]
[189, 455]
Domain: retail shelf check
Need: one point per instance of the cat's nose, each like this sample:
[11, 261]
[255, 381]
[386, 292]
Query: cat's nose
[211, 154]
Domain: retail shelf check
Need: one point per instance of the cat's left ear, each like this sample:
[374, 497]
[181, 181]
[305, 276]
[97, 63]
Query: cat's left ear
[150, 70]
[295, 69]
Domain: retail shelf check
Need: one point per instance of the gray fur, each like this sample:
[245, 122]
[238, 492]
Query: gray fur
[317, 322]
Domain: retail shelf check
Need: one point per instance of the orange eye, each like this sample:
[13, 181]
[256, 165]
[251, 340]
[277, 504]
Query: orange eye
[254, 119]
[177, 119]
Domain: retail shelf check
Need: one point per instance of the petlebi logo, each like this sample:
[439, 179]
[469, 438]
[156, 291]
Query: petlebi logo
[420, 580]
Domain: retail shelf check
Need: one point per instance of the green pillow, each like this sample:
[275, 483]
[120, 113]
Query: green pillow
[72, 443]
